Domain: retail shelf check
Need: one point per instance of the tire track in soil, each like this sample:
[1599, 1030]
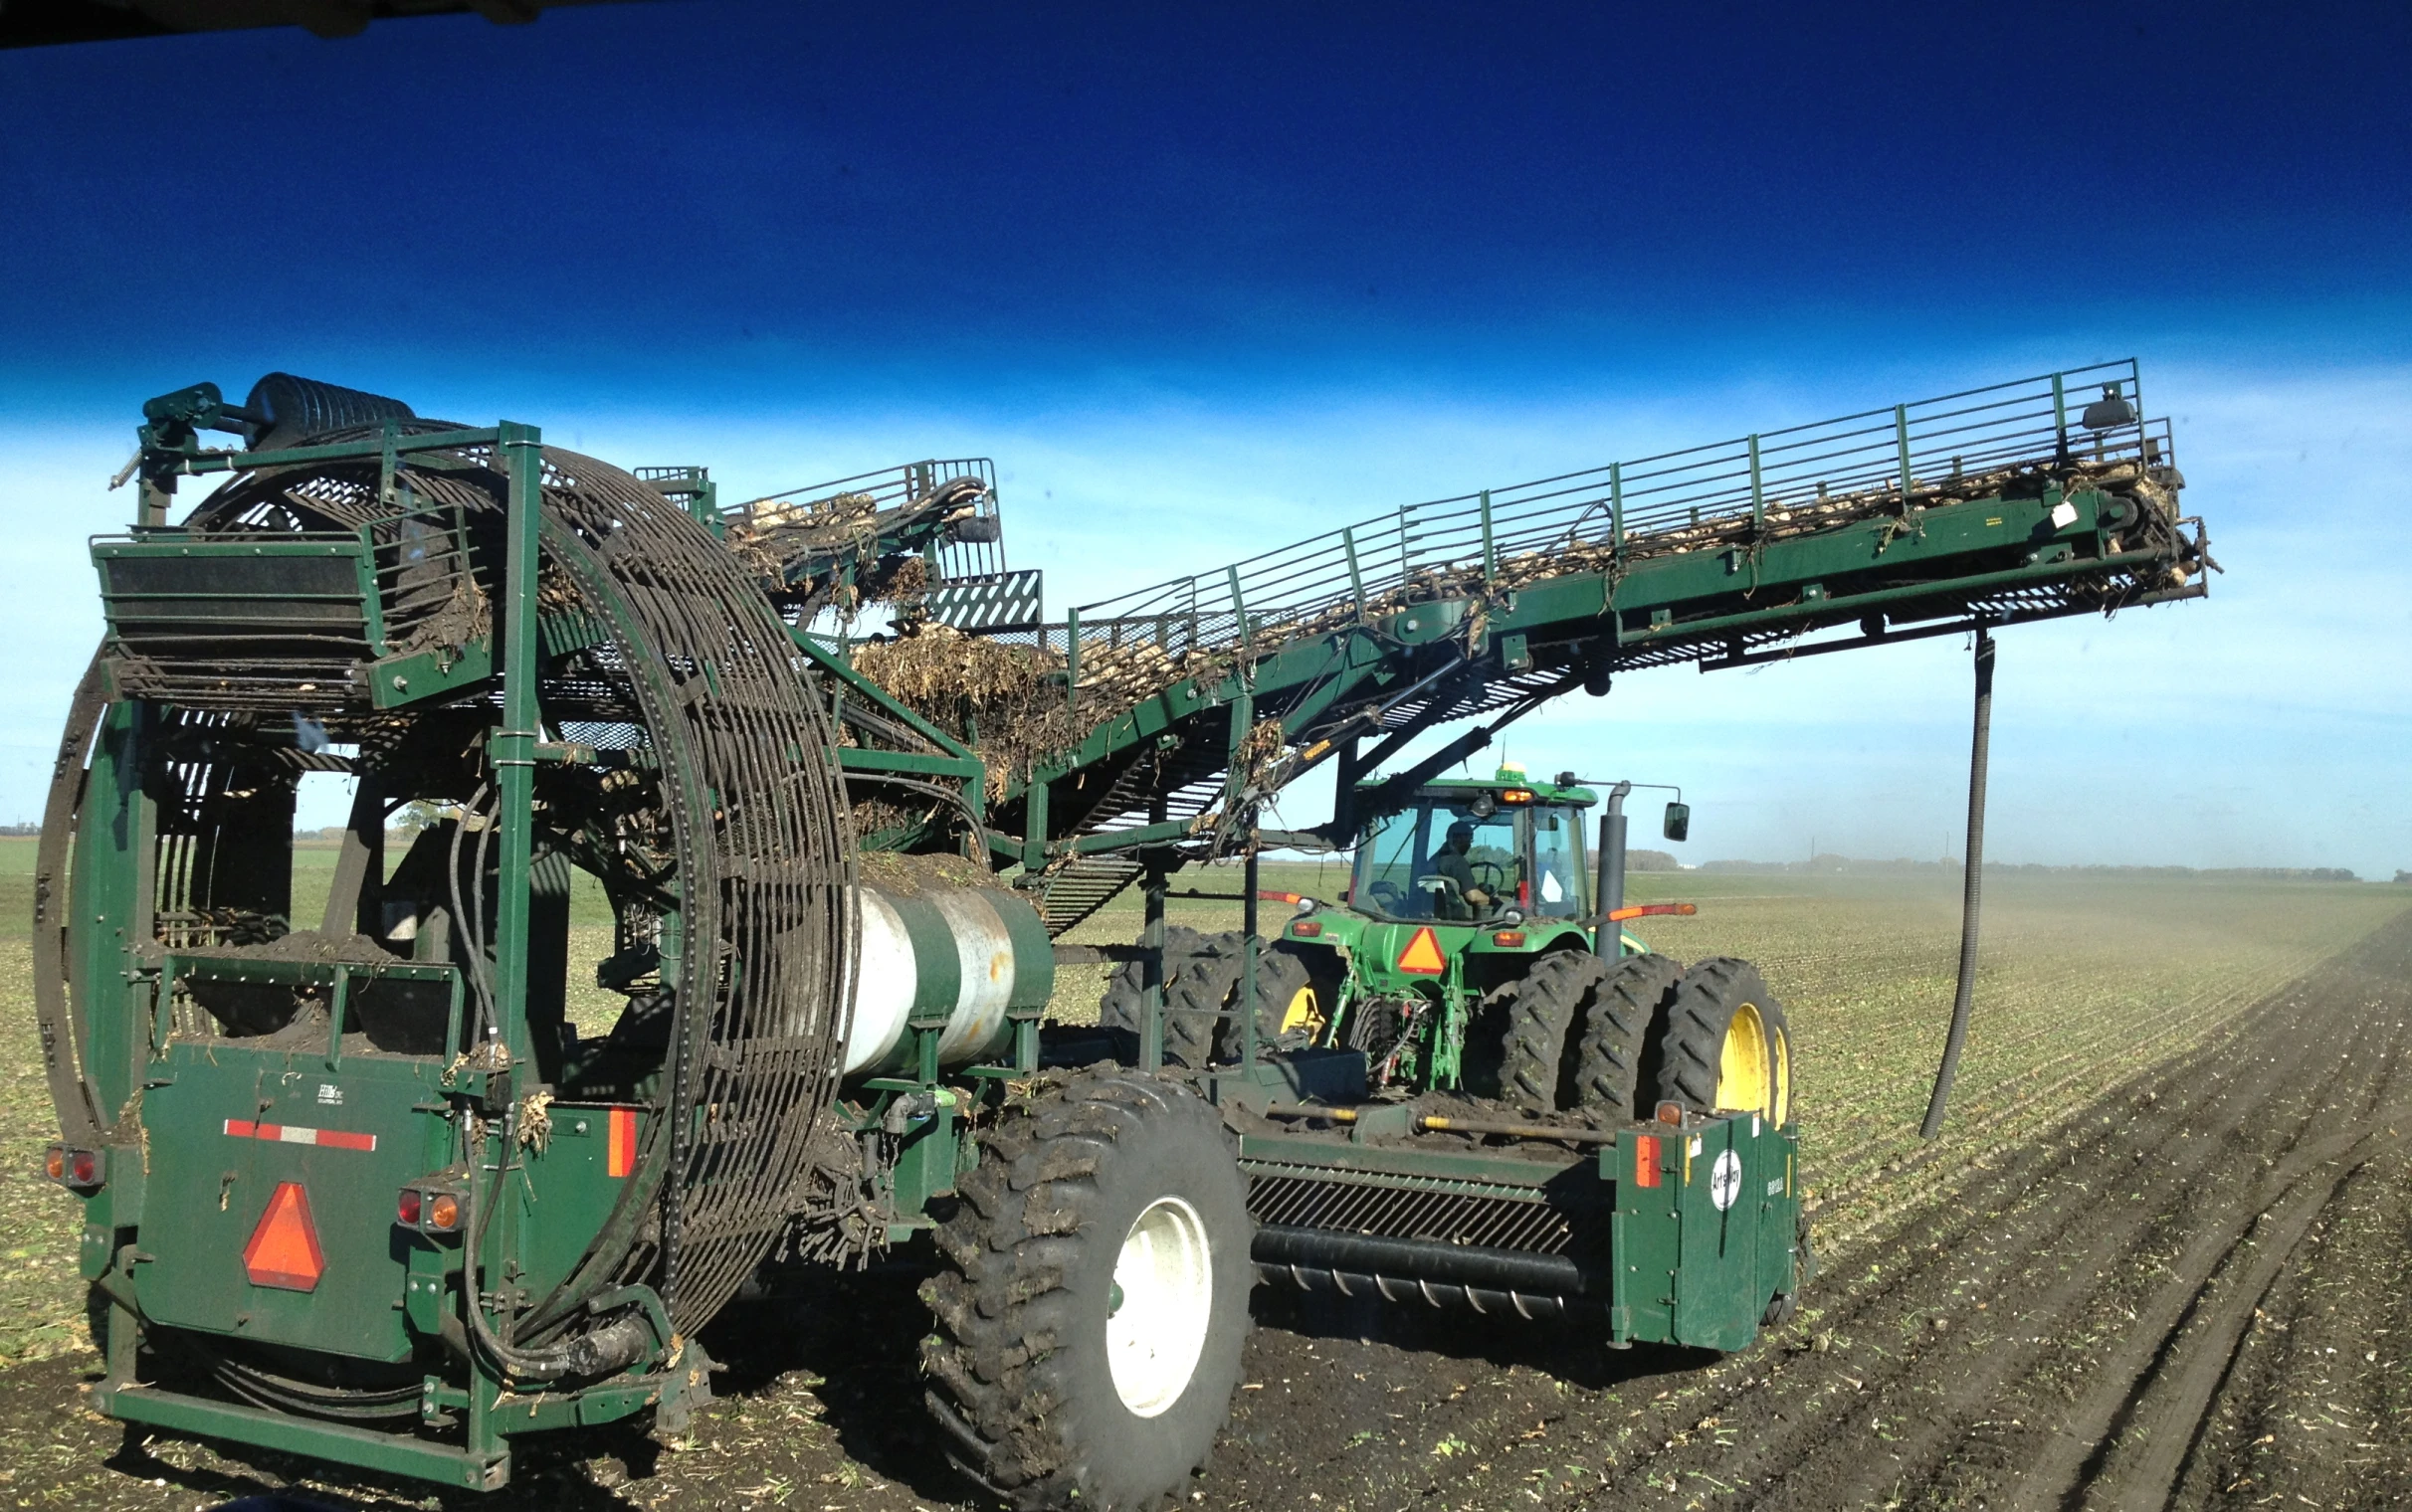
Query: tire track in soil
[2323, 1367]
[2165, 1407]
[1809, 1450]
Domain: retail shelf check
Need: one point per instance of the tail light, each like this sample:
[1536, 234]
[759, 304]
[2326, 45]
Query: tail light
[429, 1208]
[1306, 929]
[82, 1170]
[1508, 939]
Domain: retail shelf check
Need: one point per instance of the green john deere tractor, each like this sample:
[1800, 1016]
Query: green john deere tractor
[1480, 948]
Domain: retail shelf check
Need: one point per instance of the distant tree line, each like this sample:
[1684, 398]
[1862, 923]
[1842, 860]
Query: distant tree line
[1824, 862]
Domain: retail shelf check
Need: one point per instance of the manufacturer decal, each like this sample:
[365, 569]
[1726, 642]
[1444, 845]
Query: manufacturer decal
[1726, 1180]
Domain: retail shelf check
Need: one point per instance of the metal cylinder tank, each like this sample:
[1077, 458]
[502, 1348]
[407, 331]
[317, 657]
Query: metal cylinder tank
[965, 958]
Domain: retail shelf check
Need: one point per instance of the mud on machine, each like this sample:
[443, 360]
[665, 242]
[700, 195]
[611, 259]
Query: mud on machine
[355, 1187]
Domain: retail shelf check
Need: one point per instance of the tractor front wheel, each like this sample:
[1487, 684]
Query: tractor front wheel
[1091, 1318]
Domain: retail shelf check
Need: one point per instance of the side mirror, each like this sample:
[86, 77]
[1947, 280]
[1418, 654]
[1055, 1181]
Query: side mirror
[1678, 822]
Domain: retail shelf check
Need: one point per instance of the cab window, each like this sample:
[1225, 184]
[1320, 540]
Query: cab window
[1558, 864]
[1438, 861]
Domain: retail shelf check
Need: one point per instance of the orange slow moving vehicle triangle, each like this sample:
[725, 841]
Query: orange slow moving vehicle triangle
[1423, 957]
[283, 1249]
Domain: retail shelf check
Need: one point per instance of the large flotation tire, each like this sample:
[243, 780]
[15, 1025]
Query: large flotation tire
[1093, 1308]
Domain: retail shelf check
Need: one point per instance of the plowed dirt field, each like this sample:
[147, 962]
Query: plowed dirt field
[2192, 1289]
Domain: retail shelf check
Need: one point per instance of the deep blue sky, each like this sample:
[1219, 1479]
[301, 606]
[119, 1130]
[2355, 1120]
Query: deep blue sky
[729, 191]
[1206, 279]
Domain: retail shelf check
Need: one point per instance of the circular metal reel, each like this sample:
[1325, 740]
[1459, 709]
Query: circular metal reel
[721, 823]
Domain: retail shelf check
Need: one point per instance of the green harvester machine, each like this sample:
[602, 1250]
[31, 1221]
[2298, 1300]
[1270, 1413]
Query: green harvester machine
[355, 1188]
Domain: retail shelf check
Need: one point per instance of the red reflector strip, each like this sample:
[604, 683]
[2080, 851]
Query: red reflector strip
[1646, 1160]
[294, 1134]
[1652, 911]
[620, 1157]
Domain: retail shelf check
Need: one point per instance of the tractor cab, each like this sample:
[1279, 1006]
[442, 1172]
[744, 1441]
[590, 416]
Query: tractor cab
[1471, 851]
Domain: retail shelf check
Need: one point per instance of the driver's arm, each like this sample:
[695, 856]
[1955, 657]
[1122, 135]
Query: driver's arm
[1460, 871]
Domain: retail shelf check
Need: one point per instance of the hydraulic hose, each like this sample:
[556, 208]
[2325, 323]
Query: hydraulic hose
[596, 1352]
[1972, 889]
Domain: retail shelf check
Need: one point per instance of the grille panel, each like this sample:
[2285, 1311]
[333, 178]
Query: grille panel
[1527, 1225]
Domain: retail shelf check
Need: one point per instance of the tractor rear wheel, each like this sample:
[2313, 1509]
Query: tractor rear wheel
[1727, 1048]
[1197, 984]
[1540, 1009]
[1294, 999]
[1094, 1306]
[1608, 1059]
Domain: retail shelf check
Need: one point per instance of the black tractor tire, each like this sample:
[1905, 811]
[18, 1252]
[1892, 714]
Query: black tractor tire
[1616, 1026]
[1711, 1000]
[1300, 978]
[1022, 1359]
[1199, 982]
[1542, 1009]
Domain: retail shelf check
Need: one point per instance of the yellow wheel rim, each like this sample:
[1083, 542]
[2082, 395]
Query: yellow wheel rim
[1783, 1079]
[1743, 1075]
[1305, 1011]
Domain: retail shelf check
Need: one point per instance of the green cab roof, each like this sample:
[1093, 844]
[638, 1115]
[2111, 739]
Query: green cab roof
[1543, 791]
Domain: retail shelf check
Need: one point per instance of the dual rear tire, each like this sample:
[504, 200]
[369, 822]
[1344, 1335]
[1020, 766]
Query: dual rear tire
[1575, 1031]
[1613, 1040]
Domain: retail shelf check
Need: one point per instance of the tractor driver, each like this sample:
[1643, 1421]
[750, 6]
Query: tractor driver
[1451, 863]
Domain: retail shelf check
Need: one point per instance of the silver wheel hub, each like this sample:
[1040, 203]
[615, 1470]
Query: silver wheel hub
[1161, 1301]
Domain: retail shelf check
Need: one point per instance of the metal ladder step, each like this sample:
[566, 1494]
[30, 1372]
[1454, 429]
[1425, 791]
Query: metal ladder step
[1067, 896]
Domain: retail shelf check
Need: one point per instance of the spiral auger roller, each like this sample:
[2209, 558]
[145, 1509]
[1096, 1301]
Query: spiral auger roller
[351, 609]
